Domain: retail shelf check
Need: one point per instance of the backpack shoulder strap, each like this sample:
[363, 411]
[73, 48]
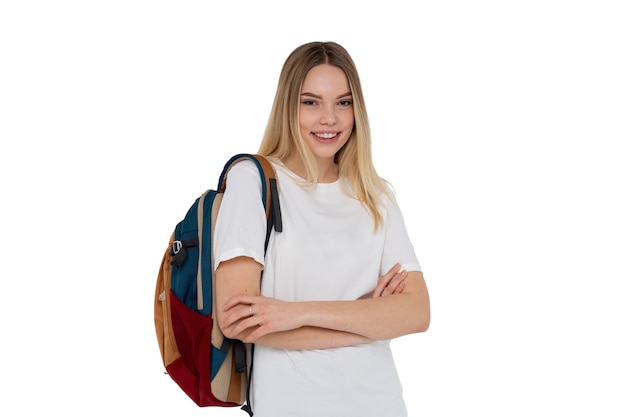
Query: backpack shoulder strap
[269, 192]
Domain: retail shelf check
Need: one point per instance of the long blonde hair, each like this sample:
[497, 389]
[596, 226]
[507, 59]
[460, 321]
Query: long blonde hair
[282, 136]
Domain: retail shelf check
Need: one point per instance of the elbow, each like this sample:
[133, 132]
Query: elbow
[419, 326]
[423, 325]
[421, 322]
[420, 306]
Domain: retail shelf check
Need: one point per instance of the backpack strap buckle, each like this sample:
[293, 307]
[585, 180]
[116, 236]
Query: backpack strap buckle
[177, 245]
[178, 250]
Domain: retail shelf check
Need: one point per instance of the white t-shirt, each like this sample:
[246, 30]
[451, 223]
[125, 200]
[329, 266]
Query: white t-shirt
[326, 251]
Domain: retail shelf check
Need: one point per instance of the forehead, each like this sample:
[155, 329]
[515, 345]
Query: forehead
[325, 78]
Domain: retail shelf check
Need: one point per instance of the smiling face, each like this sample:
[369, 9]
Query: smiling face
[326, 112]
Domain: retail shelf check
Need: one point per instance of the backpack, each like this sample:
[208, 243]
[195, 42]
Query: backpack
[210, 368]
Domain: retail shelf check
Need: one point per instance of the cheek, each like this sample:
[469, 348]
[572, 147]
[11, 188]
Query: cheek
[348, 118]
[349, 123]
[304, 130]
[303, 121]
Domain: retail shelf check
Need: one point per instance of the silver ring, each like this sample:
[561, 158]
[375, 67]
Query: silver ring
[250, 310]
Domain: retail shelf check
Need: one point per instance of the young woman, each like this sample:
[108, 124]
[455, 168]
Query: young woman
[342, 279]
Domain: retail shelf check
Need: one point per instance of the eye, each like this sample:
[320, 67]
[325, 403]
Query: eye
[345, 103]
[308, 102]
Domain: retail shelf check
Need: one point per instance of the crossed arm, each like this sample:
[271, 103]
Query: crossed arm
[398, 306]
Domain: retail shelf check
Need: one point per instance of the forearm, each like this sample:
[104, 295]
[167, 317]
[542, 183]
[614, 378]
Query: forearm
[376, 319]
[248, 316]
[311, 338]
[306, 337]
[380, 318]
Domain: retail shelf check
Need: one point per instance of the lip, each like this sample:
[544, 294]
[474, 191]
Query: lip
[335, 136]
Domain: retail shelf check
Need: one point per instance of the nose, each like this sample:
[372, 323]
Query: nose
[329, 117]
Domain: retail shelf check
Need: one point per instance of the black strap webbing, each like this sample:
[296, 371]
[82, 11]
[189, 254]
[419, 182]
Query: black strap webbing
[247, 407]
[275, 206]
[178, 250]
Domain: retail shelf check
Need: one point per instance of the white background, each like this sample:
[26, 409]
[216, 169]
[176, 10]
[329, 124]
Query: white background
[500, 123]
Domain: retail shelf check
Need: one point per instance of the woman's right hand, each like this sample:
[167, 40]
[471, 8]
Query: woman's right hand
[391, 283]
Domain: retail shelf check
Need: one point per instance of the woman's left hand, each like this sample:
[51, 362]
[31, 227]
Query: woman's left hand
[253, 316]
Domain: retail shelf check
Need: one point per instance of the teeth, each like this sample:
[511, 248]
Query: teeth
[325, 135]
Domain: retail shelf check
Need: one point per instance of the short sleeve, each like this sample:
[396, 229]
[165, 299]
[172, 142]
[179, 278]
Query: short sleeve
[241, 224]
[398, 246]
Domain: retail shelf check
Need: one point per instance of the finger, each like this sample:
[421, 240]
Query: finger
[258, 332]
[239, 299]
[398, 289]
[247, 323]
[392, 286]
[384, 280]
[240, 312]
[261, 329]
[233, 315]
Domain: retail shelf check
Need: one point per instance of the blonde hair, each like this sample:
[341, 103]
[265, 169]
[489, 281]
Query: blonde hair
[282, 136]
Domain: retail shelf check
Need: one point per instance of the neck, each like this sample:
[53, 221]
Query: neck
[327, 170]
[328, 173]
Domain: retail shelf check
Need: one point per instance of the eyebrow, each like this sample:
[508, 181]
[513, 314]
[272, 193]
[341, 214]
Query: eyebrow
[344, 95]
